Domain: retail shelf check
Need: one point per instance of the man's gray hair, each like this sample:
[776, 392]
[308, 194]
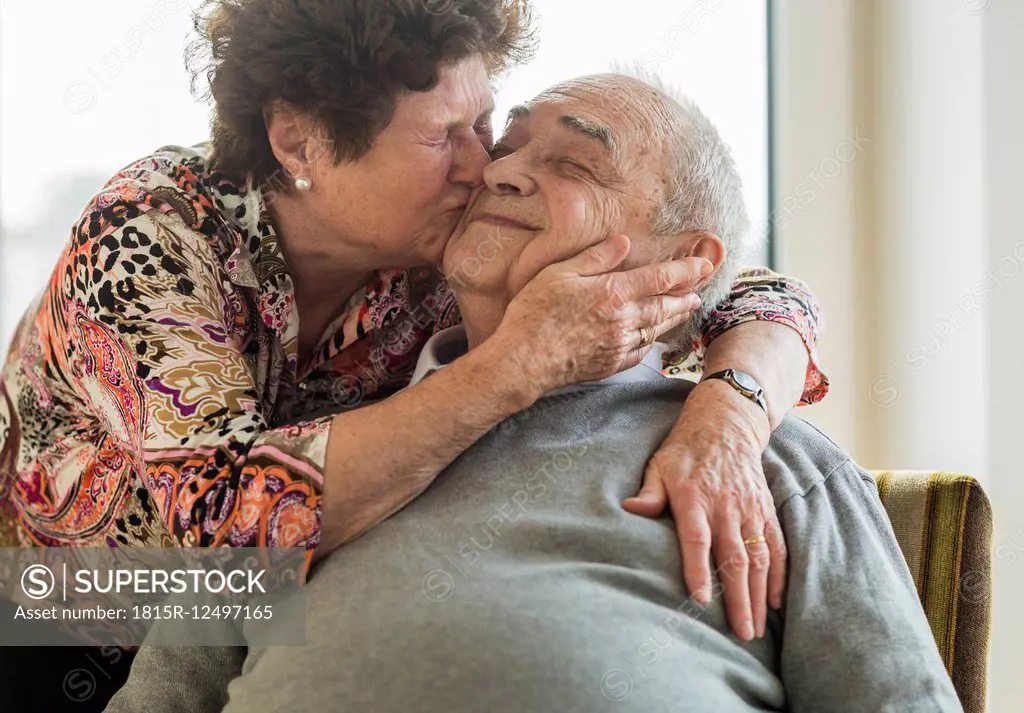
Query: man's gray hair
[703, 191]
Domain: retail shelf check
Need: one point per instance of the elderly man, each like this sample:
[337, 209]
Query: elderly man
[517, 582]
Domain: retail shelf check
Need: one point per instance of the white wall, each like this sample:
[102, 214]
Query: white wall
[915, 248]
[815, 215]
[929, 237]
[1004, 156]
[880, 117]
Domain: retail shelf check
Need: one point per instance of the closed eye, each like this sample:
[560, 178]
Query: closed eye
[578, 166]
[499, 150]
[483, 126]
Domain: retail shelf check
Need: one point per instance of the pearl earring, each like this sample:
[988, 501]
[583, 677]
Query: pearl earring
[303, 184]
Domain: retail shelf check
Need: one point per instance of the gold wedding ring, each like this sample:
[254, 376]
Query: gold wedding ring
[755, 540]
[646, 336]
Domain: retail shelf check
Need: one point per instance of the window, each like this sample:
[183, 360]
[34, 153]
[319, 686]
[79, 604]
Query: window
[69, 115]
[72, 79]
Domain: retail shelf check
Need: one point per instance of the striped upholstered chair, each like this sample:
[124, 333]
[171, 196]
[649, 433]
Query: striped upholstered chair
[943, 523]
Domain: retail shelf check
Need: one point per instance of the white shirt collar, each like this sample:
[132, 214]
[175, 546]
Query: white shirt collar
[449, 344]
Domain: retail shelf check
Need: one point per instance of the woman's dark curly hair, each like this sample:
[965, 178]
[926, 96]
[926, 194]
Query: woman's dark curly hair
[344, 62]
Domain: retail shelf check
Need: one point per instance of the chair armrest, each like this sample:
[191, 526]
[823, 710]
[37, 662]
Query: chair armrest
[943, 524]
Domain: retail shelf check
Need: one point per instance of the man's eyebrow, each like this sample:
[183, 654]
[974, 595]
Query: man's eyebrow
[590, 129]
[516, 112]
[519, 110]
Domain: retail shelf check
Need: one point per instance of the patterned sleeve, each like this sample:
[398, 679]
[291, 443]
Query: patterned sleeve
[761, 294]
[151, 350]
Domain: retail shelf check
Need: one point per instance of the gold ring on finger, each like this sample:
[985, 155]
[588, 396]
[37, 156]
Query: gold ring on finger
[646, 336]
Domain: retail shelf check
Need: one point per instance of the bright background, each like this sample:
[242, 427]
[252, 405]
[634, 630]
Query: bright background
[67, 124]
[897, 188]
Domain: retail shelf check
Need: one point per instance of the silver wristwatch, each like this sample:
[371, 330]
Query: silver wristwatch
[744, 383]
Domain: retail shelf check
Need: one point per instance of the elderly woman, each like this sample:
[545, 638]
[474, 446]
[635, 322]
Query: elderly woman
[161, 390]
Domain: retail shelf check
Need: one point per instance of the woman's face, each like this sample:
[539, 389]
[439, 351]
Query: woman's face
[401, 201]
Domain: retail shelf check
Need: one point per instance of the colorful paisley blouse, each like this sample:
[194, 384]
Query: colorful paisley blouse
[152, 394]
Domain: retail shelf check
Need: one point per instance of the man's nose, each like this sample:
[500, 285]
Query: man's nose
[507, 176]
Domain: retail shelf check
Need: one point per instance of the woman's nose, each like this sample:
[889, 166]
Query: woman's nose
[469, 162]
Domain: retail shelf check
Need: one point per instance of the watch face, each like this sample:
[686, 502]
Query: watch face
[745, 381]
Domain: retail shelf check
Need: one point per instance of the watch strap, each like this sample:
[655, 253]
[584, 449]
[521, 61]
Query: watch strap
[729, 376]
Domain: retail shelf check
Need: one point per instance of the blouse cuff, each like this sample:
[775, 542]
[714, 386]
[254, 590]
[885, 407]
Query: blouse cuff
[785, 301]
[816, 382]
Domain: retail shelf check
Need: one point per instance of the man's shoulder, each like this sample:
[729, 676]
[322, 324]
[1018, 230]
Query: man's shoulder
[800, 457]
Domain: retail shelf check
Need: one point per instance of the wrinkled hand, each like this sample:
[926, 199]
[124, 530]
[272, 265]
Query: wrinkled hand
[579, 320]
[709, 471]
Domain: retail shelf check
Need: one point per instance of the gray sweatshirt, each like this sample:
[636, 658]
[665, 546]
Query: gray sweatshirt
[517, 582]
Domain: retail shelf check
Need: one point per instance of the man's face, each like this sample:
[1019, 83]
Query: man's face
[571, 169]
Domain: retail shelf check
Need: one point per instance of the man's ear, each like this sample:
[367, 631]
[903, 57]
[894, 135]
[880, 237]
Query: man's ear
[700, 243]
